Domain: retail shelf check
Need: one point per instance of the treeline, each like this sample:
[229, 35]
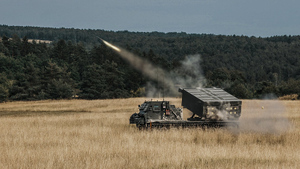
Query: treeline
[76, 64]
[36, 71]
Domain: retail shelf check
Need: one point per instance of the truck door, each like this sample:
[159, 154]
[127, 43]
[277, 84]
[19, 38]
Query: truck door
[155, 112]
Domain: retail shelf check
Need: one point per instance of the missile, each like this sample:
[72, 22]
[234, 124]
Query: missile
[110, 45]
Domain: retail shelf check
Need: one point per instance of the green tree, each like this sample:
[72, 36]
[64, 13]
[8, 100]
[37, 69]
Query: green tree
[93, 83]
[264, 88]
[56, 82]
[61, 51]
[5, 86]
[240, 91]
[101, 82]
[6, 46]
[25, 46]
[114, 80]
[291, 86]
[28, 84]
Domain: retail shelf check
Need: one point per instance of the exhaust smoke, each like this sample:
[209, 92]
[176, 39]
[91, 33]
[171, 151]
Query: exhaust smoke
[188, 75]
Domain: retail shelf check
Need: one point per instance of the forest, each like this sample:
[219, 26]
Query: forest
[76, 64]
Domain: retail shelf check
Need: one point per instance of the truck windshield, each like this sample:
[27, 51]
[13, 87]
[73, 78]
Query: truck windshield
[142, 106]
[156, 108]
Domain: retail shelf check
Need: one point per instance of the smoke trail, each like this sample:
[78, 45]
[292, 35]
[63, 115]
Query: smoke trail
[145, 67]
[188, 75]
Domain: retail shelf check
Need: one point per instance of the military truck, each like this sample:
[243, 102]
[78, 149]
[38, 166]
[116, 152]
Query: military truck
[210, 107]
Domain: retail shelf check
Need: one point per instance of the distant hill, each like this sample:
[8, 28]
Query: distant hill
[248, 67]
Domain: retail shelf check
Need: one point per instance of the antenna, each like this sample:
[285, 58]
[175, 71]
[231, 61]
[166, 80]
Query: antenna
[158, 90]
[163, 88]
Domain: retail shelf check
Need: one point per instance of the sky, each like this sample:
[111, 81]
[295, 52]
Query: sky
[263, 18]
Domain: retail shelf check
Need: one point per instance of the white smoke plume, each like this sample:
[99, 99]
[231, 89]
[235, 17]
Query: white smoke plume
[152, 91]
[188, 75]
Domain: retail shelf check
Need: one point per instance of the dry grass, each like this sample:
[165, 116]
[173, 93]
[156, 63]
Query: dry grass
[289, 97]
[31, 40]
[96, 134]
[39, 41]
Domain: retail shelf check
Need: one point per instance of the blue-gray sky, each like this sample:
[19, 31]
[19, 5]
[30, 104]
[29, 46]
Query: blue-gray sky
[227, 17]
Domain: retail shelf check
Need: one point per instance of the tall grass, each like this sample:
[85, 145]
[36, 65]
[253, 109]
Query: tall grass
[96, 134]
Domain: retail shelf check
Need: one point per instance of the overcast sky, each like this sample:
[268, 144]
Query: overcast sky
[227, 17]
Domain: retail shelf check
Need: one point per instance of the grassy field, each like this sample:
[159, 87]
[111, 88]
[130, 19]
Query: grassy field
[97, 134]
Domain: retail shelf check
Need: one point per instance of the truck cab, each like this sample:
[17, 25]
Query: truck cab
[151, 111]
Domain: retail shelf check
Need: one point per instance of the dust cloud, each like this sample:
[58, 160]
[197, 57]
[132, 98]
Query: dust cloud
[264, 116]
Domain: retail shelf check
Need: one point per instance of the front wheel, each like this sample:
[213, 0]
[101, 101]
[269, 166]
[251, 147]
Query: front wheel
[140, 126]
